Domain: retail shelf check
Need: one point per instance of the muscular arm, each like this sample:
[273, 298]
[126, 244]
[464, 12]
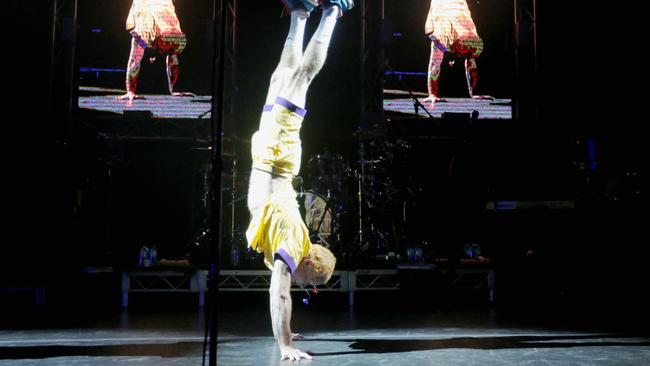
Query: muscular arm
[172, 72]
[280, 300]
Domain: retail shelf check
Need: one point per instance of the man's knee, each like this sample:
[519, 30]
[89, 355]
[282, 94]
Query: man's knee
[170, 44]
[279, 75]
[256, 202]
[469, 47]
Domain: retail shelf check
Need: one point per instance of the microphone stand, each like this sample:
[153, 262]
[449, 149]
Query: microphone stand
[416, 102]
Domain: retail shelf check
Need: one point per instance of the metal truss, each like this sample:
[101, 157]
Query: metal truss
[245, 280]
[374, 280]
[372, 63]
[195, 281]
[341, 281]
[164, 281]
[473, 279]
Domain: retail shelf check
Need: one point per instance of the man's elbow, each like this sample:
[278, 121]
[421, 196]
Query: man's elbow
[273, 291]
[278, 293]
[280, 281]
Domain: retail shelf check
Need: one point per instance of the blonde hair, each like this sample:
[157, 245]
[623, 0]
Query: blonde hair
[324, 262]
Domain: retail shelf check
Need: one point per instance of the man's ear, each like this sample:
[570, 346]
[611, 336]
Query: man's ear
[309, 262]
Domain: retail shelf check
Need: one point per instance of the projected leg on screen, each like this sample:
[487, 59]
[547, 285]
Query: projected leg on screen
[154, 24]
[451, 29]
[433, 74]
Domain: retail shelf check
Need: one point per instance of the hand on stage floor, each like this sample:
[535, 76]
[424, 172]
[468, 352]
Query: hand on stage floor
[129, 96]
[293, 354]
[432, 100]
[483, 97]
[183, 94]
[297, 337]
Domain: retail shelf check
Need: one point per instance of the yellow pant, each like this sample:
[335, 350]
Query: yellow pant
[276, 145]
[277, 229]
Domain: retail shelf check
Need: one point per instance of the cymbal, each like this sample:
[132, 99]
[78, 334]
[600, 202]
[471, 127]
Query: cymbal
[237, 139]
[367, 135]
[374, 161]
[224, 153]
[325, 157]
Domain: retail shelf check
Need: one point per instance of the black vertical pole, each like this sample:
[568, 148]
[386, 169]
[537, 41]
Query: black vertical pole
[216, 130]
[526, 105]
[50, 84]
[62, 78]
[515, 34]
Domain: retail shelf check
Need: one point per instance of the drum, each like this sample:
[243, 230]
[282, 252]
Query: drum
[327, 164]
[326, 198]
[326, 174]
[319, 218]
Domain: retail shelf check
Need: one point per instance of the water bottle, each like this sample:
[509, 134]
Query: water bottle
[153, 256]
[410, 255]
[234, 255]
[144, 257]
[476, 251]
[467, 250]
[418, 254]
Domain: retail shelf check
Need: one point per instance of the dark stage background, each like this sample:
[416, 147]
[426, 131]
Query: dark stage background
[594, 256]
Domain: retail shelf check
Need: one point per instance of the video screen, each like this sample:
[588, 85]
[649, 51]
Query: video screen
[145, 55]
[449, 56]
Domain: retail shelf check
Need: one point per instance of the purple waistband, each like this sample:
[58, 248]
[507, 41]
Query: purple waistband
[286, 104]
[290, 106]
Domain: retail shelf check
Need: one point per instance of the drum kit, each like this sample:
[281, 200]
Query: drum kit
[345, 208]
[234, 184]
[350, 209]
[325, 202]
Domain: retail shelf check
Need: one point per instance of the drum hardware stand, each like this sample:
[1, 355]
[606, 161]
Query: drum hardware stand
[360, 182]
[235, 252]
[235, 233]
[322, 218]
[375, 233]
[233, 197]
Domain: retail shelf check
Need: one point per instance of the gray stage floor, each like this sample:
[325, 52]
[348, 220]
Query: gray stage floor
[335, 337]
[399, 101]
[161, 106]
[165, 106]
